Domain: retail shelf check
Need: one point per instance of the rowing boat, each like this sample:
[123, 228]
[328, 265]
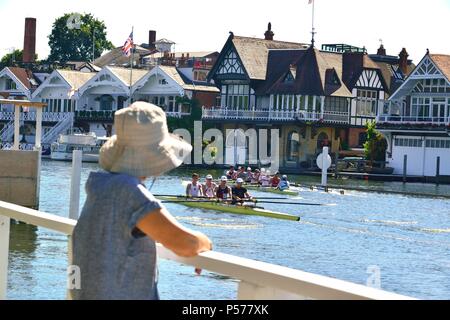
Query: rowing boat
[256, 187]
[271, 190]
[229, 208]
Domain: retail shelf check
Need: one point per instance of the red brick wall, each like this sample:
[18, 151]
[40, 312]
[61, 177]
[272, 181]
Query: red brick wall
[353, 136]
[207, 99]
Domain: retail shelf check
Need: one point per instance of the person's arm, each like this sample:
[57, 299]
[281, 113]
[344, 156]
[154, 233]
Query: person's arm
[188, 190]
[162, 227]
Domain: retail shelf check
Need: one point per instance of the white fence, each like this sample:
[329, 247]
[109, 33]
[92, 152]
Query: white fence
[268, 115]
[257, 280]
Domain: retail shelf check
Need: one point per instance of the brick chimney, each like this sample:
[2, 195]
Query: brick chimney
[268, 35]
[403, 61]
[151, 39]
[381, 51]
[29, 42]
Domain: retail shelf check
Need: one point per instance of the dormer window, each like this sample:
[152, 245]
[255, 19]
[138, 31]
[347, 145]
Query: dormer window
[289, 78]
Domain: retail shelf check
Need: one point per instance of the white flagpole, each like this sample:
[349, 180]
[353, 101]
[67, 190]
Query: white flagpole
[312, 29]
[131, 63]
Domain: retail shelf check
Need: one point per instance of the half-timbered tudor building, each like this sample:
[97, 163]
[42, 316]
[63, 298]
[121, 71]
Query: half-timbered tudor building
[416, 121]
[304, 92]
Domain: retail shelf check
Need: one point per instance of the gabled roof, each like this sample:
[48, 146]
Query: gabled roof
[73, 80]
[178, 78]
[317, 73]
[442, 61]
[124, 74]
[76, 79]
[254, 53]
[117, 58]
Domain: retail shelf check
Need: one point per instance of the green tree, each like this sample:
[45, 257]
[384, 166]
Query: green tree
[72, 36]
[375, 145]
[11, 59]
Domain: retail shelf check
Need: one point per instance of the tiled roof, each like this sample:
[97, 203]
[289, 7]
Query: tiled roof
[184, 82]
[117, 58]
[442, 61]
[254, 53]
[25, 76]
[124, 74]
[76, 79]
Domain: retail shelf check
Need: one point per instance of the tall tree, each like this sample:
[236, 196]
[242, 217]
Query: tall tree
[10, 59]
[73, 36]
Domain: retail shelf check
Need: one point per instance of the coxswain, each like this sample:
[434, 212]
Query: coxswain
[284, 183]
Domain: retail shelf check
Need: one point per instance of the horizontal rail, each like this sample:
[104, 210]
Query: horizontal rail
[261, 274]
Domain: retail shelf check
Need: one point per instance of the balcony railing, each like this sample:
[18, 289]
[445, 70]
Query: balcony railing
[257, 280]
[91, 115]
[400, 119]
[31, 116]
[219, 113]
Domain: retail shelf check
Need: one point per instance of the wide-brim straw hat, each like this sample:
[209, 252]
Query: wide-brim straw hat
[142, 145]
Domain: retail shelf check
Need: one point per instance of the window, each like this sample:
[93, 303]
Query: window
[420, 109]
[438, 143]
[336, 104]
[106, 102]
[238, 96]
[431, 86]
[323, 141]
[408, 142]
[366, 102]
[230, 64]
[171, 104]
[10, 85]
[293, 143]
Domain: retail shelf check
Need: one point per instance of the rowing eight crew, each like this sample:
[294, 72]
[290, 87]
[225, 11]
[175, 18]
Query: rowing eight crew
[259, 177]
[237, 194]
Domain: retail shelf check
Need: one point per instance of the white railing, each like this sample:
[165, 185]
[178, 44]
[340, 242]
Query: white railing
[57, 129]
[258, 280]
[22, 146]
[31, 116]
[219, 113]
[176, 114]
[7, 132]
[400, 119]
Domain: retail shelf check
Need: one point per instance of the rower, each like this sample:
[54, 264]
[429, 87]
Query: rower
[194, 188]
[241, 173]
[240, 194]
[264, 178]
[209, 188]
[255, 177]
[284, 183]
[231, 173]
[275, 180]
[249, 175]
[223, 191]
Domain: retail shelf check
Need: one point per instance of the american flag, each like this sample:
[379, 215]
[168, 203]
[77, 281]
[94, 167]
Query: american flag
[126, 49]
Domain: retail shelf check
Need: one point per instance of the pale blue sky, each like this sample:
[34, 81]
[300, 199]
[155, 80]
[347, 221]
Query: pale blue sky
[199, 25]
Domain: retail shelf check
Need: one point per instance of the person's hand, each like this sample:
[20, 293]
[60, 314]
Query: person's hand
[206, 245]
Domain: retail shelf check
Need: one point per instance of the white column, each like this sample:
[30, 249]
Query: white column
[4, 252]
[74, 204]
[16, 127]
[298, 103]
[37, 142]
[322, 103]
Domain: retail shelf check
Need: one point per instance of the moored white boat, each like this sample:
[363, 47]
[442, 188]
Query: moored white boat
[89, 144]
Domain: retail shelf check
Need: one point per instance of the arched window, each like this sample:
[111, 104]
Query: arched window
[293, 144]
[323, 141]
[106, 102]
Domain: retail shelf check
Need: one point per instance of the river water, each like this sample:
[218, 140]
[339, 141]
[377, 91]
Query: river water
[407, 238]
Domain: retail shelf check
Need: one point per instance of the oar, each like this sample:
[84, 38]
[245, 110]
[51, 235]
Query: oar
[296, 203]
[202, 197]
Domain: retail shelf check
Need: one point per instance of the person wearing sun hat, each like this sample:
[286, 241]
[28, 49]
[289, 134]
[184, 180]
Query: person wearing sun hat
[114, 241]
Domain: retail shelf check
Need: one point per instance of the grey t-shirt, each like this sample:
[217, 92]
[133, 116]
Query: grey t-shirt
[116, 260]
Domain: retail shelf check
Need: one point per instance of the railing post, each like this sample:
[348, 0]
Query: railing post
[438, 165]
[74, 205]
[16, 127]
[4, 253]
[405, 164]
